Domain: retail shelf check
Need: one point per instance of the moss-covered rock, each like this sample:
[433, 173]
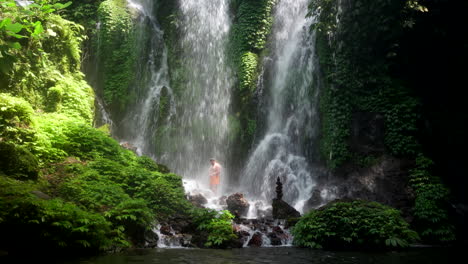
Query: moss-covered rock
[250, 30]
[116, 52]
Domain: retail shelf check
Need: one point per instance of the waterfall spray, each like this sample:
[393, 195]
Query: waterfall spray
[292, 111]
[202, 122]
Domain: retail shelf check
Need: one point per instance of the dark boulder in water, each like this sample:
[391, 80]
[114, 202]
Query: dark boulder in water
[198, 200]
[282, 210]
[237, 204]
[256, 240]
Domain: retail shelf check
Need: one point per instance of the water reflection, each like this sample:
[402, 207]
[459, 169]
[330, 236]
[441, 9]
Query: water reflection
[274, 255]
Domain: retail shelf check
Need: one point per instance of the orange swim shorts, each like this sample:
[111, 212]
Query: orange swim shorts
[214, 179]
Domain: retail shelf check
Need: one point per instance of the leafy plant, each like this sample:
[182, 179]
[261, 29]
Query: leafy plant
[430, 209]
[217, 224]
[47, 223]
[356, 224]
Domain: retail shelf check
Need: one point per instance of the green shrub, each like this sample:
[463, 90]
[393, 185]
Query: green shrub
[349, 225]
[430, 209]
[47, 223]
[18, 162]
[16, 117]
[163, 192]
[116, 51]
[88, 143]
[218, 225]
[149, 164]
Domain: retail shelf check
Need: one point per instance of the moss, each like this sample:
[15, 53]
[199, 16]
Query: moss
[359, 79]
[116, 52]
[248, 71]
[14, 110]
[16, 136]
[54, 98]
[251, 28]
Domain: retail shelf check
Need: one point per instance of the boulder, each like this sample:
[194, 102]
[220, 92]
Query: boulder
[237, 204]
[256, 240]
[282, 210]
[151, 239]
[166, 230]
[274, 239]
[198, 200]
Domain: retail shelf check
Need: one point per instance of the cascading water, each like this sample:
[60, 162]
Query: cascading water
[202, 117]
[292, 111]
[194, 125]
[151, 82]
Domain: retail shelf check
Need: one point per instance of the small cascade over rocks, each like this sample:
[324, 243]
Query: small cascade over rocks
[169, 238]
[284, 148]
[265, 232]
[253, 223]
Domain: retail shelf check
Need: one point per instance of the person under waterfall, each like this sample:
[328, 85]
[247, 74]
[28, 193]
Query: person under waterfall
[214, 172]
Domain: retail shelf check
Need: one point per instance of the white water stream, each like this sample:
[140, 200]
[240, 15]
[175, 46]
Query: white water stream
[202, 120]
[151, 81]
[292, 112]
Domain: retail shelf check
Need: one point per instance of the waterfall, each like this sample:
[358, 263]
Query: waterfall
[202, 117]
[292, 111]
[182, 128]
[151, 81]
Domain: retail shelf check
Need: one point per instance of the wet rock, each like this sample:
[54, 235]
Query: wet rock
[278, 230]
[256, 240]
[236, 243]
[276, 241]
[151, 239]
[367, 133]
[222, 200]
[166, 230]
[384, 181]
[198, 200]
[282, 210]
[279, 189]
[237, 204]
[185, 240]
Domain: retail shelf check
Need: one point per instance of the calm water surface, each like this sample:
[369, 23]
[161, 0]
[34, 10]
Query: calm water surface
[287, 255]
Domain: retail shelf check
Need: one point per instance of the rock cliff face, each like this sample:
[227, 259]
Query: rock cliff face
[385, 182]
[373, 175]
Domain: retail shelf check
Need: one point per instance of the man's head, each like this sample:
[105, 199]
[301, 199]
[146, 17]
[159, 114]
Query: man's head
[212, 161]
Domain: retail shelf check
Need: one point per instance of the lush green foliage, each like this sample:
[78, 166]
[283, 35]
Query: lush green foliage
[47, 54]
[217, 224]
[357, 224]
[430, 209]
[250, 29]
[356, 55]
[116, 52]
[47, 223]
[102, 195]
[358, 48]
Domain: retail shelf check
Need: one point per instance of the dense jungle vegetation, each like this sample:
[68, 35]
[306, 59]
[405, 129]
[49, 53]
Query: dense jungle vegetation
[63, 183]
[67, 185]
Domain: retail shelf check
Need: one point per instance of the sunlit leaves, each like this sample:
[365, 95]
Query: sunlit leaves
[217, 224]
[415, 5]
